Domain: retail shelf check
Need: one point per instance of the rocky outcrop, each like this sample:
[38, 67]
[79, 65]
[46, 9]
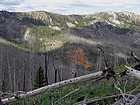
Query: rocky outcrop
[114, 18]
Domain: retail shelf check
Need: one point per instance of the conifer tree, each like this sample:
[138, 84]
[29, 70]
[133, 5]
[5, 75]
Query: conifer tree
[39, 79]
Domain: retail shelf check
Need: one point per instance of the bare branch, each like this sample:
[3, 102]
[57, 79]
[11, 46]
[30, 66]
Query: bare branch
[127, 99]
[125, 86]
[116, 86]
[136, 58]
[105, 59]
[90, 101]
[135, 89]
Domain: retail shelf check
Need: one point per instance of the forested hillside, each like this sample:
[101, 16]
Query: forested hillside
[34, 39]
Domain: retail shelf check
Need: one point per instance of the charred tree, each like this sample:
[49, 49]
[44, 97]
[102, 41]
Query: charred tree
[24, 79]
[46, 68]
[108, 67]
[9, 73]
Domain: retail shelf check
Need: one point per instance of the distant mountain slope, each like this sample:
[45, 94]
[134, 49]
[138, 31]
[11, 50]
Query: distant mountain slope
[11, 28]
[109, 34]
[18, 26]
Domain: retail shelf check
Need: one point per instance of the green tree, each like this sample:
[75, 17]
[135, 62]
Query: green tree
[3, 86]
[39, 79]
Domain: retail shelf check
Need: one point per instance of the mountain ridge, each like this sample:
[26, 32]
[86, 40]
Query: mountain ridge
[44, 22]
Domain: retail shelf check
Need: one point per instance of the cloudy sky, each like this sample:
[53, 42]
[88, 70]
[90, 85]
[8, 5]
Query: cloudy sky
[71, 6]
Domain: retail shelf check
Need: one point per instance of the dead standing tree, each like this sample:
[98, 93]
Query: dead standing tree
[46, 67]
[107, 67]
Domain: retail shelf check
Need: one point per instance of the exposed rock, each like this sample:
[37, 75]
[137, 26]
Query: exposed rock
[55, 28]
[70, 24]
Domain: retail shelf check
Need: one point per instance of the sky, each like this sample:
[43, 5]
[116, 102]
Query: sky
[67, 7]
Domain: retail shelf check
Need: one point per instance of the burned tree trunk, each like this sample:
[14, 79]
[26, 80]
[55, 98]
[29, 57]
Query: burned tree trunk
[9, 73]
[105, 59]
[55, 72]
[24, 82]
[59, 76]
[46, 68]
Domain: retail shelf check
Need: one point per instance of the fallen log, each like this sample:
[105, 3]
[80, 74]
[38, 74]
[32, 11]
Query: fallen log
[133, 72]
[51, 87]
